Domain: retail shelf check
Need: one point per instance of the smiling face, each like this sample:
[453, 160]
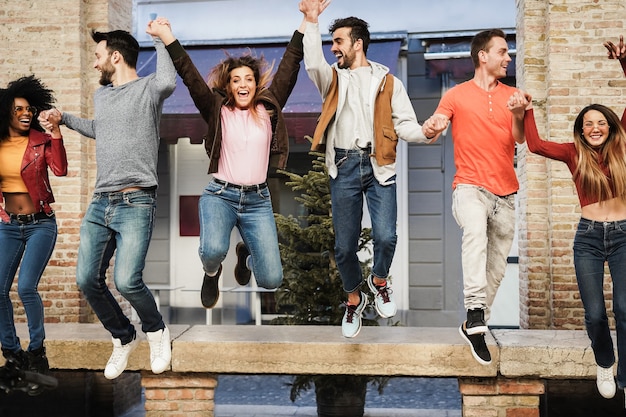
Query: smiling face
[242, 86]
[343, 48]
[103, 63]
[595, 128]
[496, 57]
[21, 117]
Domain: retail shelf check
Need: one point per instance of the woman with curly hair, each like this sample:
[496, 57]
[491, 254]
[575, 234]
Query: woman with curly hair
[597, 160]
[28, 228]
[246, 135]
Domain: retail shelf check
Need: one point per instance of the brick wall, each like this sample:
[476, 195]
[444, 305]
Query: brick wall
[562, 63]
[499, 397]
[179, 395]
[52, 41]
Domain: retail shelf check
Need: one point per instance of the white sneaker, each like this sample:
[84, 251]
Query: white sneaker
[605, 382]
[119, 358]
[160, 350]
[351, 322]
[383, 298]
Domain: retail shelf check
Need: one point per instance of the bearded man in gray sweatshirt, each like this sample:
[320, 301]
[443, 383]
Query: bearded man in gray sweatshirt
[121, 214]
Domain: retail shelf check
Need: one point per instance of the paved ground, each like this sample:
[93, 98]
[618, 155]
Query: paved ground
[268, 396]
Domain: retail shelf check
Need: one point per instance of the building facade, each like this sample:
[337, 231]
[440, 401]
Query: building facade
[559, 60]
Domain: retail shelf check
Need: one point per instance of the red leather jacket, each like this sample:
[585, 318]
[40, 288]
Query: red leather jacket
[42, 152]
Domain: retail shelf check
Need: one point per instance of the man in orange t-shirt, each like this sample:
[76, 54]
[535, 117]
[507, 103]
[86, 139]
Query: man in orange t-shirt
[483, 201]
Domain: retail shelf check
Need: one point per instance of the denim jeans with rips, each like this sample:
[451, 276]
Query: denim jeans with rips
[120, 223]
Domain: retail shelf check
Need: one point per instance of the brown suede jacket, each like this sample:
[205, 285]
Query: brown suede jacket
[385, 137]
[210, 101]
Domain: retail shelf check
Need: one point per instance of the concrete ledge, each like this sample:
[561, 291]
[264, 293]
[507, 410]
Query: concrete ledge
[410, 351]
[551, 354]
[88, 346]
[392, 351]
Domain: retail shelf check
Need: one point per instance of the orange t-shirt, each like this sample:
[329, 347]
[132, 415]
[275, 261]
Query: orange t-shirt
[11, 157]
[484, 146]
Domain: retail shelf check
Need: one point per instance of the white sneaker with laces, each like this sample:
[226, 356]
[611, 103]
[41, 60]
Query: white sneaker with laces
[160, 350]
[605, 382]
[351, 322]
[383, 298]
[119, 357]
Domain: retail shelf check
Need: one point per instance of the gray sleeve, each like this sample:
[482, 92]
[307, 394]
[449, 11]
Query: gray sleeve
[85, 127]
[165, 80]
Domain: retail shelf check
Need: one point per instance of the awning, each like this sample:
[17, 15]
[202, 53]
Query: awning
[181, 118]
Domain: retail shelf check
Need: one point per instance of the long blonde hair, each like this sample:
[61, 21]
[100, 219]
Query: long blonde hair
[611, 153]
[219, 77]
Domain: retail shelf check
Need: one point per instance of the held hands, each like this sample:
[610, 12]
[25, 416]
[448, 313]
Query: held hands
[161, 28]
[434, 125]
[50, 120]
[519, 102]
[616, 51]
[311, 9]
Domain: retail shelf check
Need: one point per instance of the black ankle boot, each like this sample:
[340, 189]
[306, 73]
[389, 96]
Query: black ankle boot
[15, 359]
[38, 361]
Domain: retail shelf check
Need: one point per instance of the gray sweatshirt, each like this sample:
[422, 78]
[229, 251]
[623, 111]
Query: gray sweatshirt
[126, 127]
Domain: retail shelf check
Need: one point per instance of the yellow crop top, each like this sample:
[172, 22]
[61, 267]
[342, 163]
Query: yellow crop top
[11, 155]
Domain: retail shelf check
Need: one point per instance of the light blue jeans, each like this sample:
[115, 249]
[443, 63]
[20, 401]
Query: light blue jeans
[122, 221]
[594, 244]
[221, 208]
[355, 179]
[488, 225]
[32, 244]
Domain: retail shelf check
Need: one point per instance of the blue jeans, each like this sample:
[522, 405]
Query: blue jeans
[122, 221]
[594, 244]
[488, 225]
[221, 208]
[32, 244]
[355, 179]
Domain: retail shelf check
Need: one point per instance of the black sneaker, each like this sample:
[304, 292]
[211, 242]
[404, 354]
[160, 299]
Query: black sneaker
[242, 273]
[479, 349]
[476, 322]
[210, 292]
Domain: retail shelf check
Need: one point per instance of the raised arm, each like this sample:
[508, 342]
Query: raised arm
[165, 79]
[287, 73]
[203, 97]
[317, 68]
[618, 52]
